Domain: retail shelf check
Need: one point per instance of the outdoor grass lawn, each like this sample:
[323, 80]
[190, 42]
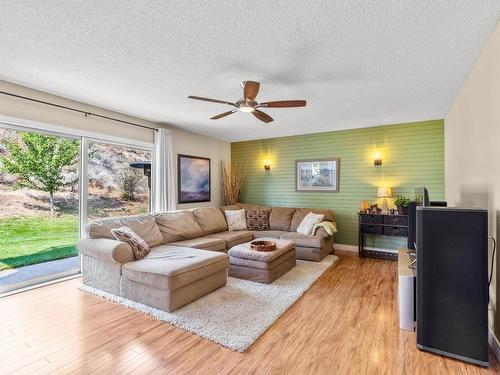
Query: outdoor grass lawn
[31, 240]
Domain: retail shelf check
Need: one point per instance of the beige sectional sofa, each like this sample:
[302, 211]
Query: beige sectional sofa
[188, 257]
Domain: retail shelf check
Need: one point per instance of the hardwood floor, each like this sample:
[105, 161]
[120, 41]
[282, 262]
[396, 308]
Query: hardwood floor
[346, 323]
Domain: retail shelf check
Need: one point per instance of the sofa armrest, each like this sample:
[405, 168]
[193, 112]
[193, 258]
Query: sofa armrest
[106, 250]
[321, 232]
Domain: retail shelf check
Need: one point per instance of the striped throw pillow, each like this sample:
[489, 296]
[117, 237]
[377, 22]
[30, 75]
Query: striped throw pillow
[139, 247]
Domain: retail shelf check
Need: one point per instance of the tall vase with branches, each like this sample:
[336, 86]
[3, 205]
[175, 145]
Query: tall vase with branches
[233, 176]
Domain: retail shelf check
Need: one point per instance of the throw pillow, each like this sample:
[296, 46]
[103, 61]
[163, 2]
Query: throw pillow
[307, 224]
[139, 247]
[235, 219]
[257, 219]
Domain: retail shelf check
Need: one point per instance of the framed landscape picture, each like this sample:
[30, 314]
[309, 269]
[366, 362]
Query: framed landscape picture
[317, 175]
[193, 179]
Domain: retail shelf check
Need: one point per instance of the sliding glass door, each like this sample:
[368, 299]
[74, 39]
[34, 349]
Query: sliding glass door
[39, 207]
[118, 180]
[51, 185]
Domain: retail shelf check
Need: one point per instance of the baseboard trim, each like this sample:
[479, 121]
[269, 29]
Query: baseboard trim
[343, 247]
[354, 248]
[494, 344]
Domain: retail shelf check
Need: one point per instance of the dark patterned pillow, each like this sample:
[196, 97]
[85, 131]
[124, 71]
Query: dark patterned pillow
[257, 219]
[139, 247]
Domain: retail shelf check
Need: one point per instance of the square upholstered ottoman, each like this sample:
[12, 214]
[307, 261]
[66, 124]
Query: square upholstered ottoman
[262, 267]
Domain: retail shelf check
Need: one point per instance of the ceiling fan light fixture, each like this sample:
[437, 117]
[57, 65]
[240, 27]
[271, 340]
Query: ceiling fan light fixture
[247, 109]
[248, 104]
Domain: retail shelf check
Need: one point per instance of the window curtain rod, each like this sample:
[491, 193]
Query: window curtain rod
[78, 110]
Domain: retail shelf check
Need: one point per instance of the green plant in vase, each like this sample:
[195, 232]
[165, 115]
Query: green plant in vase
[402, 204]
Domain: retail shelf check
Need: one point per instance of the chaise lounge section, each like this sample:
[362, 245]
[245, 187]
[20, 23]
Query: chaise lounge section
[173, 276]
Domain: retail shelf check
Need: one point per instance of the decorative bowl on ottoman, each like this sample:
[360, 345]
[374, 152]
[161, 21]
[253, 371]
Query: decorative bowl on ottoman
[263, 245]
[262, 266]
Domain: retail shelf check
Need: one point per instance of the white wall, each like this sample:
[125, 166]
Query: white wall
[199, 145]
[51, 118]
[472, 148]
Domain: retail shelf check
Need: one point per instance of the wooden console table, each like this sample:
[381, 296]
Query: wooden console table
[380, 225]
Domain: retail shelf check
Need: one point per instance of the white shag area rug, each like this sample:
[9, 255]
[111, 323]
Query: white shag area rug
[236, 315]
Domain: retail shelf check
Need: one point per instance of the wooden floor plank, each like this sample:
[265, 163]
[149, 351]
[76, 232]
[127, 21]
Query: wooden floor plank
[346, 323]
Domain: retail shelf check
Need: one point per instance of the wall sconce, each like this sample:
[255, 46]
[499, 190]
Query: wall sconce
[377, 160]
[267, 165]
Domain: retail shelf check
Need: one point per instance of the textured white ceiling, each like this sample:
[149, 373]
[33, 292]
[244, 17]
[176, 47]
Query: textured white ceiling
[357, 63]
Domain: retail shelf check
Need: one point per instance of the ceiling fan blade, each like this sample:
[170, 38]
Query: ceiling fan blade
[250, 90]
[262, 116]
[210, 100]
[216, 117]
[284, 104]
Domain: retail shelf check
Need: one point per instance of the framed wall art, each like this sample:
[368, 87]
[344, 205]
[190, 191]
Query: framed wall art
[317, 175]
[193, 179]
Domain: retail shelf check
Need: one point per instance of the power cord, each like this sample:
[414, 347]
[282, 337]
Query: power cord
[492, 259]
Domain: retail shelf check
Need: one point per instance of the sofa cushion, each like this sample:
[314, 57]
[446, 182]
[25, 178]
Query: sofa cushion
[178, 226]
[233, 238]
[204, 243]
[257, 219]
[268, 233]
[304, 240]
[280, 218]
[300, 214]
[210, 219]
[144, 225]
[171, 267]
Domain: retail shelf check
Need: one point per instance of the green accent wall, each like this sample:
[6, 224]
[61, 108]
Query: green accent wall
[412, 156]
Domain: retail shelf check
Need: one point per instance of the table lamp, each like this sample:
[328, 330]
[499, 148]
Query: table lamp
[384, 192]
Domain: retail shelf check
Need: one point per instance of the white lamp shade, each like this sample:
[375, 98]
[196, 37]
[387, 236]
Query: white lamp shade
[384, 192]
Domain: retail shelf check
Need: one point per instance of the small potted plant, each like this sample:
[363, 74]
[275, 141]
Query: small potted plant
[402, 203]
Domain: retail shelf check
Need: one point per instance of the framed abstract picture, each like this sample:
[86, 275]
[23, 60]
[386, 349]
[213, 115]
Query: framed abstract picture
[193, 179]
[317, 175]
